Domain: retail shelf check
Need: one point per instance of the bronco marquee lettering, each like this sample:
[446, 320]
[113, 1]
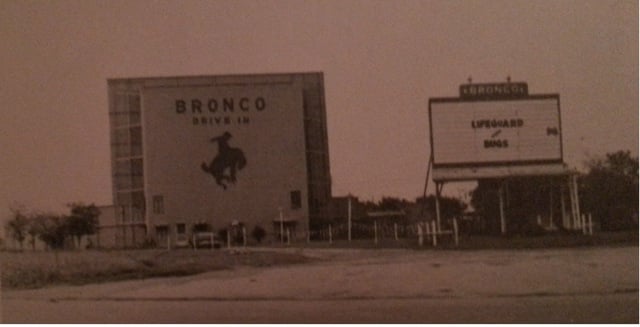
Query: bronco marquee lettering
[243, 104]
[181, 106]
[260, 104]
[212, 105]
[494, 90]
[196, 105]
[228, 104]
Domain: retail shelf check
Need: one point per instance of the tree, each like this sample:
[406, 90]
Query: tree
[51, 229]
[449, 207]
[609, 191]
[82, 221]
[386, 203]
[32, 231]
[17, 227]
[392, 204]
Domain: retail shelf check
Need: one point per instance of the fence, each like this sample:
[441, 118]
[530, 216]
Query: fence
[376, 232]
[423, 233]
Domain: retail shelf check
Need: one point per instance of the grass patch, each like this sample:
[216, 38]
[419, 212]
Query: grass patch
[24, 270]
[21, 270]
[551, 240]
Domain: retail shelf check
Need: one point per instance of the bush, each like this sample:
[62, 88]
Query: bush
[258, 233]
[222, 235]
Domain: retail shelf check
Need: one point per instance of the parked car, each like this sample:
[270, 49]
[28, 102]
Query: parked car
[182, 241]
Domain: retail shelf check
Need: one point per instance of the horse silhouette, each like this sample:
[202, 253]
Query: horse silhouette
[228, 157]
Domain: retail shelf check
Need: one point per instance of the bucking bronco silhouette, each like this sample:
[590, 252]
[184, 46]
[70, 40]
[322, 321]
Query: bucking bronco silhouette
[227, 157]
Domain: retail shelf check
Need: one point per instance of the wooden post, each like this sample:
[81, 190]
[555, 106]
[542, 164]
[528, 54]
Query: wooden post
[420, 236]
[583, 222]
[281, 226]
[330, 235]
[133, 235]
[590, 224]
[578, 226]
[455, 231]
[395, 231]
[575, 202]
[550, 205]
[244, 236]
[427, 230]
[375, 232]
[563, 207]
[435, 231]
[288, 236]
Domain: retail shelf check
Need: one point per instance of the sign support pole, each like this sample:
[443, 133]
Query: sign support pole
[550, 204]
[572, 203]
[426, 183]
[563, 206]
[575, 190]
[438, 190]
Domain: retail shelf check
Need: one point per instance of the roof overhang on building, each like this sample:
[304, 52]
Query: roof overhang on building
[470, 173]
[386, 214]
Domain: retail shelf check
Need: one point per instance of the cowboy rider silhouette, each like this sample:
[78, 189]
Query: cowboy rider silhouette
[227, 157]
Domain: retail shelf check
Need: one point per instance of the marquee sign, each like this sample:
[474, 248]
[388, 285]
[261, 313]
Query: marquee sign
[494, 90]
[493, 133]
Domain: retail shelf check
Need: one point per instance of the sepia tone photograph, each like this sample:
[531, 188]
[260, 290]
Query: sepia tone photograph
[319, 162]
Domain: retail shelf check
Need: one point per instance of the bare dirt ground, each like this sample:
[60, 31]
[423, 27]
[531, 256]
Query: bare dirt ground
[595, 285]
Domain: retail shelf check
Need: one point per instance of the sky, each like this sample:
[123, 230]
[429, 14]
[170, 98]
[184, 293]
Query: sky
[382, 61]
